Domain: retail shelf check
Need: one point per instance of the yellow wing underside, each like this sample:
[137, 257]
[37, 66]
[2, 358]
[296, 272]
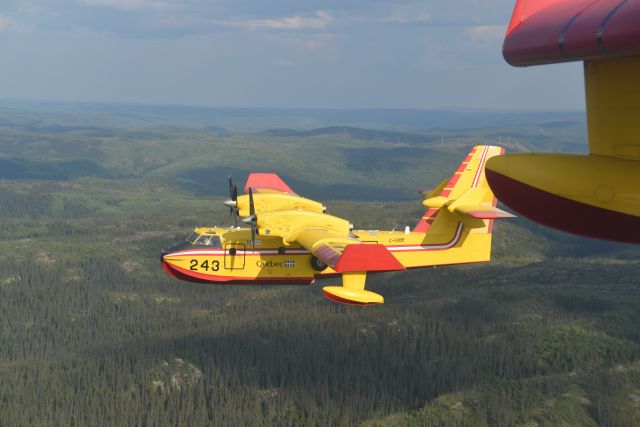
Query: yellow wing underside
[325, 245]
[613, 107]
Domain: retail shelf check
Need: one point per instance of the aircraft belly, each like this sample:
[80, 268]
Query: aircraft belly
[253, 269]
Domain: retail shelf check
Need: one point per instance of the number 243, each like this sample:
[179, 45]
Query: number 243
[205, 265]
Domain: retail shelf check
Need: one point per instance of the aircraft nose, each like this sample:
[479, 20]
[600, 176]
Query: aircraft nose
[162, 254]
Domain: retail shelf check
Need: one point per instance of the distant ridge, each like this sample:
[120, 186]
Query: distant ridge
[359, 133]
[216, 130]
[236, 119]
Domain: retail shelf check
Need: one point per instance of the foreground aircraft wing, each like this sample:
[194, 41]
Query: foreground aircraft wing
[595, 195]
[549, 31]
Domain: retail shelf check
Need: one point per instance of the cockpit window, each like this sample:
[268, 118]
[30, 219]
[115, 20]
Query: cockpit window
[215, 242]
[192, 239]
[203, 240]
[207, 240]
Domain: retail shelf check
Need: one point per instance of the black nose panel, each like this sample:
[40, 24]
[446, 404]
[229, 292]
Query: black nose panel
[177, 247]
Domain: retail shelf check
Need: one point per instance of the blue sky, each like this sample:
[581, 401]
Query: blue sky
[274, 53]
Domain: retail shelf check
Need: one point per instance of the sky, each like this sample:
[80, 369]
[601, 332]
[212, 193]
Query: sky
[274, 53]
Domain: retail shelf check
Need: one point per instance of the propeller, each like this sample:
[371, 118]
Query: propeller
[252, 220]
[232, 203]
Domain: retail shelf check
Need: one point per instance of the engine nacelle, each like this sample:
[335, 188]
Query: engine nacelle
[287, 223]
[271, 202]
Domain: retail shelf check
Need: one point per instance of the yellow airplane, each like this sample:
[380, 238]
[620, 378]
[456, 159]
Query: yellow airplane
[292, 240]
[595, 195]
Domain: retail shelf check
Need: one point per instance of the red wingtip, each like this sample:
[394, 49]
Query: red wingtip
[524, 9]
[550, 31]
[270, 181]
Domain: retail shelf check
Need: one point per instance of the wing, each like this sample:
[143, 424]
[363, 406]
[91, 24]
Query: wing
[325, 245]
[347, 254]
[549, 31]
[353, 259]
[595, 195]
[267, 183]
[270, 194]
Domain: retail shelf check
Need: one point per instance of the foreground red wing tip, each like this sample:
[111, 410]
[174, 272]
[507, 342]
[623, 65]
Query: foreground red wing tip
[549, 31]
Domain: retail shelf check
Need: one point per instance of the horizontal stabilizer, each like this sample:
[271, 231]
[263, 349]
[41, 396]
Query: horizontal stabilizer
[471, 197]
[470, 207]
[367, 258]
[435, 202]
[483, 212]
[434, 192]
[465, 197]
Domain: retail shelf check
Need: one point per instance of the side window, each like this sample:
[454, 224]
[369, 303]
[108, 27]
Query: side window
[192, 239]
[203, 240]
[215, 242]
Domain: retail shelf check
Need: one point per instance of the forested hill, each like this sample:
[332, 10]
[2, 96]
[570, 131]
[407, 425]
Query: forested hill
[94, 333]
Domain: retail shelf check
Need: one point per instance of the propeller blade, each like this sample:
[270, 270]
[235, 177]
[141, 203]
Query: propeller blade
[254, 220]
[252, 209]
[234, 197]
[232, 202]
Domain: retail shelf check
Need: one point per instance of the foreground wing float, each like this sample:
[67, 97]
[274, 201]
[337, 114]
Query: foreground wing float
[597, 195]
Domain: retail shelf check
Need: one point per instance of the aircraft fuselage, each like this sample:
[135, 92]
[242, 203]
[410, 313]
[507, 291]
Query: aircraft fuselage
[228, 257]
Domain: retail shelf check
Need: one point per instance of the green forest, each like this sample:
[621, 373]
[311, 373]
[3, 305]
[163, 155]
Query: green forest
[93, 332]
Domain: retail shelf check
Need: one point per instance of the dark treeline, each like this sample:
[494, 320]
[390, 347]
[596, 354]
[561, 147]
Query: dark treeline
[86, 342]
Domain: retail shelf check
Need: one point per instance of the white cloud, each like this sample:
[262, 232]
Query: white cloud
[308, 42]
[321, 20]
[487, 34]
[409, 13]
[128, 4]
[9, 24]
